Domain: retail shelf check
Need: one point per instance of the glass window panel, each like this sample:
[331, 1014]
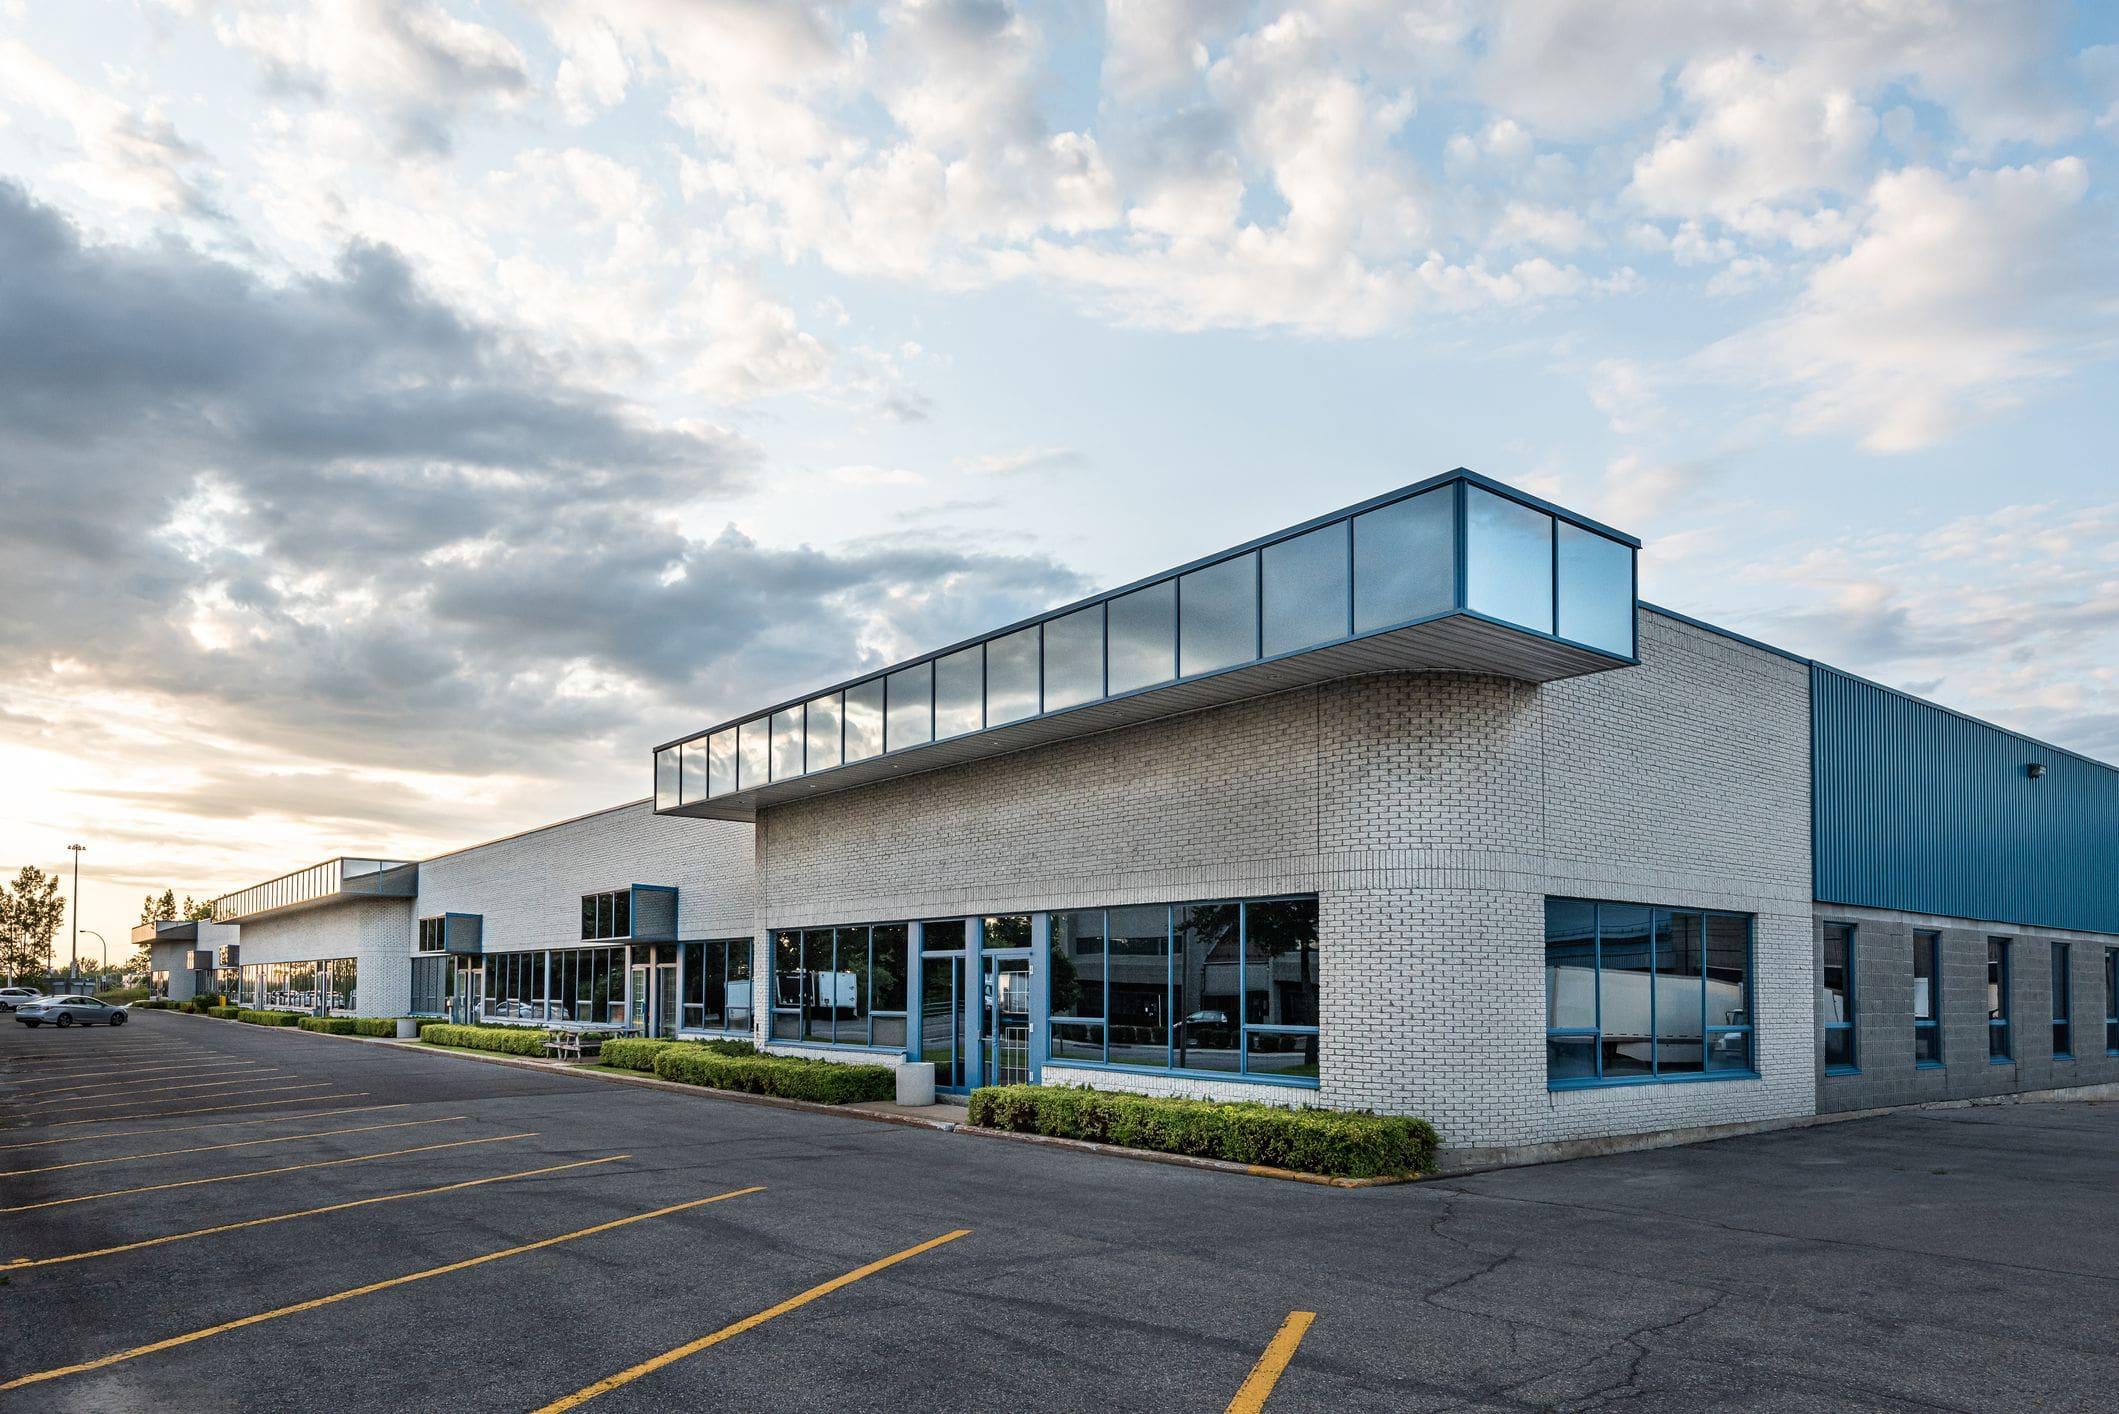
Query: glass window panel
[788, 986]
[853, 976]
[1007, 930]
[1507, 559]
[1625, 984]
[941, 1018]
[622, 914]
[1926, 980]
[1139, 1023]
[1207, 1031]
[1074, 658]
[1011, 677]
[821, 733]
[890, 968]
[1076, 966]
[911, 707]
[721, 762]
[1571, 970]
[1680, 972]
[1570, 1057]
[740, 993]
[1405, 560]
[1728, 1050]
[1997, 999]
[2063, 999]
[1078, 1041]
[1143, 630]
[959, 692]
[942, 935]
[588, 916]
[753, 754]
[1217, 616]
[1596, 590]
[824, 995]
[787, 743]
[1836, 1001]
[666, 777]
[1728, 970]
[1303, 589]
[1280, 963]
[864, 720]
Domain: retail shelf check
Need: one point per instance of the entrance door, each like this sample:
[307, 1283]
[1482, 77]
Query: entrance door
[665, 1000]
[942, 1018]
[1004, 1019]
[470, 993]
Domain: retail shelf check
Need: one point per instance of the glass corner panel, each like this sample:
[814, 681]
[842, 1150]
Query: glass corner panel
[1508, 550]
[864, 720]
[911, 708]
[1596, 590]
[753, 753]
[821, 747]
[721, 762]
[960, 692]
[1303, 584]
[666, 777]
[1074, 658]
[787, 743]
[1405, 560]
[1012, 676]
[1217, 616]
[1143, 638]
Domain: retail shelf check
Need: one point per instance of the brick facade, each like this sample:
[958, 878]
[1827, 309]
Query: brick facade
[375, 932]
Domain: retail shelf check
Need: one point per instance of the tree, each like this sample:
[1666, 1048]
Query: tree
[199, 912]
[33, 914]
[160, 910]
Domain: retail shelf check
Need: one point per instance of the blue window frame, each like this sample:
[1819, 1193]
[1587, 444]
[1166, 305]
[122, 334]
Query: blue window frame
[1219, 987]
[1836, 1000]
[841, 986]
[2063, 1004]
[714, 988]
[2111, 1001]
[1639, 994]
[1999, 1050]
[1927, 999]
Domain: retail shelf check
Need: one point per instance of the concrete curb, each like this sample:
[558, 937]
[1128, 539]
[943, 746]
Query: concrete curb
[594, 1072]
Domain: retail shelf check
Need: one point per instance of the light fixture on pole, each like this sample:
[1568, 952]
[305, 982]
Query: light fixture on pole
[73, 973]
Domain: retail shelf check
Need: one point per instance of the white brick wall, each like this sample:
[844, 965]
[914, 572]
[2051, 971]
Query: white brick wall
[1432, 813]
[376, 932]
[528, 887]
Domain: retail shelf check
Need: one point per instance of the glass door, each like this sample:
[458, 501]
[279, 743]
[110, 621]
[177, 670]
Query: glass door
[1004, 1020]
[468, 1002]
[942, 1018]
[636, 997]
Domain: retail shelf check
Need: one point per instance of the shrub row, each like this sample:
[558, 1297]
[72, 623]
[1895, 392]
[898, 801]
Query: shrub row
[351, 1025]
[1333, 1142]
[157, 1004]
[226, 1013]
[789, 1077]
[265, 1018]
[508, 1040]
[632, 1052]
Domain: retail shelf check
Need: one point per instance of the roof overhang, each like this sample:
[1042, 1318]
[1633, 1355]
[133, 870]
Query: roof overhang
[1456, 642]
[335, 881]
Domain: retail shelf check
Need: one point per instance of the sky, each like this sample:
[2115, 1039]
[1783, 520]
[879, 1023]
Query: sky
[412, 413]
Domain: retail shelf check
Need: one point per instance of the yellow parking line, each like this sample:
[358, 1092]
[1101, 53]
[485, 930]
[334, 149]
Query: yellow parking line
[1258, 1385]
[113, 1095]
[262, 1173]
[212, 1123]
[238, 1144]
[153, 1347]
[187, 1073]
[670, 1357]
[24, 1263]
[239, 1089]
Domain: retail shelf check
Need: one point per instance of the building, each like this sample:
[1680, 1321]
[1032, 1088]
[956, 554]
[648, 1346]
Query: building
[183, 956]
[1413, 807]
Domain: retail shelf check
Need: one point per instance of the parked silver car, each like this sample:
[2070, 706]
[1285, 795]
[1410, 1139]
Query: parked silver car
[65, 1011]
[12, 997]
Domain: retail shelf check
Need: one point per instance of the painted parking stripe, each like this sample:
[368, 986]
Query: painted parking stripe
[208, 1110]
[207, 1062]
[670, 1357]
[238, 1144]
[264, 1173]
[1258, 1385]
[104, 1362]
[210, 1124]
[24, 1263]
[232, 1087]
[189, 1072]
[123, 1093]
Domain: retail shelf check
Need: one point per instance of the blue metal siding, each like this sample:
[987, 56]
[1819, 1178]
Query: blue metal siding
[1921, 809]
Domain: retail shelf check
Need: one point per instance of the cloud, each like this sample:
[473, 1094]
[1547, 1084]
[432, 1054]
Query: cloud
[1027, 459]
[1959, 297]
[131, 159]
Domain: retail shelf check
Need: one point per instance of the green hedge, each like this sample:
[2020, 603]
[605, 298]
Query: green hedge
[1333, 1142]
[639, 1052]
[508, 1040]
[156, 1004]
[226, 1013]
[268, 1018]
[789, 1077]
[351, 1025]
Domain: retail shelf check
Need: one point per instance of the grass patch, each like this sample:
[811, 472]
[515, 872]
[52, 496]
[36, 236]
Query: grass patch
[1337, 1143]
[788, 1077]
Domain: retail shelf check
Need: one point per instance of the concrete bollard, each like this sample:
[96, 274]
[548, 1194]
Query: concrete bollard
[407, 1029]
[916, 1083]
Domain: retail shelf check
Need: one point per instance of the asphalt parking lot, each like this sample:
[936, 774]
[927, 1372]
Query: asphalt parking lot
[201, 1215]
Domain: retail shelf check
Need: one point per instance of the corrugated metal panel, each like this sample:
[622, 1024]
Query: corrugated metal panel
[1919, 808]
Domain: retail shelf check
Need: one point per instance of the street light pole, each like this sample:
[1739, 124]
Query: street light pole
[73, 976]
[102, 943]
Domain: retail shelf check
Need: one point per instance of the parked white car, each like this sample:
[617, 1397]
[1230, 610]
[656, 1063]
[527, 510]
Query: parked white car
[12, 997]
[66, 1011]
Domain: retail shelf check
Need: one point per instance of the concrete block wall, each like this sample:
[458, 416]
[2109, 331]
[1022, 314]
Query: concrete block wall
[528, 887]
[1883, 1018]
[376, 932]
[1432, 814]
